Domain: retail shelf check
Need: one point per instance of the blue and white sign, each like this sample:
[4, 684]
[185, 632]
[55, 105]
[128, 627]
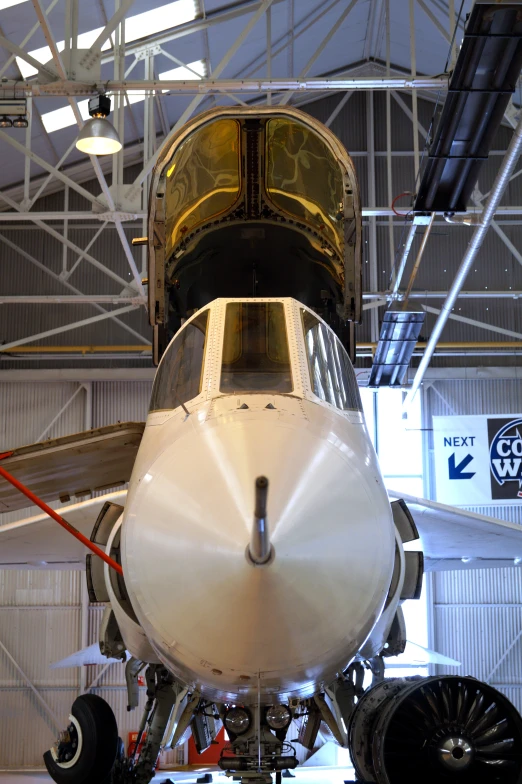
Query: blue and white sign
[478, 459]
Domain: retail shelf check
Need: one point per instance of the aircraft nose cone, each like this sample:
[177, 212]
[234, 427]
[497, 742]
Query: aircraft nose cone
[213, 615]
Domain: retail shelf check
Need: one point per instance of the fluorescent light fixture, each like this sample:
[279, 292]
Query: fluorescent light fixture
[64, 117]
[139, 26]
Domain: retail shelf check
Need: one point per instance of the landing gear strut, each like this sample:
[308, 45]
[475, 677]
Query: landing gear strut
[89, 750]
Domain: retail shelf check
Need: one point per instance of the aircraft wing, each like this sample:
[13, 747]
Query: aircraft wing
[39, 542]
[88, 656]
[72, 465]
[454, 538]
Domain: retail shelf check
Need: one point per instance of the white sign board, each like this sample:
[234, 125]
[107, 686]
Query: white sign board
[478, 459]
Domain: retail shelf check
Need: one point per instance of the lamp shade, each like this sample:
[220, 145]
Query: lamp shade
[98, 137]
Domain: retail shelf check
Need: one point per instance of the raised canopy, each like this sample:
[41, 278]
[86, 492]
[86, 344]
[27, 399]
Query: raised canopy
[254, 202]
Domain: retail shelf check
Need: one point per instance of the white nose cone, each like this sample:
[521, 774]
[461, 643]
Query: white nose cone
[214, 617]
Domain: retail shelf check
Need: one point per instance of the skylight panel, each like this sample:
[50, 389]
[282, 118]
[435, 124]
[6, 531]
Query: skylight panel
[64, 117]
[9, 3]
[183, 74]
[158, 19]
[139, 26]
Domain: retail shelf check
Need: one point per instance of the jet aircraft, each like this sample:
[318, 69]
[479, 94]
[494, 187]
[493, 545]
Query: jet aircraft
[255, 566]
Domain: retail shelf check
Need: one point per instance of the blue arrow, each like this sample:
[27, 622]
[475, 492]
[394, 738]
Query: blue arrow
[457, 472]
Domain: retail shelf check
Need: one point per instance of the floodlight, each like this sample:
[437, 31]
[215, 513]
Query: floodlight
[98, 136]
[6, 122]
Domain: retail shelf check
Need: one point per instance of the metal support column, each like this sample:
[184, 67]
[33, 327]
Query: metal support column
[414, 106]
[269, 51]
[389, 179]
[372, 232]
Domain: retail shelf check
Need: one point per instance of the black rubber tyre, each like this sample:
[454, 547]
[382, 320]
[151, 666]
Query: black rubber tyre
[97, 744]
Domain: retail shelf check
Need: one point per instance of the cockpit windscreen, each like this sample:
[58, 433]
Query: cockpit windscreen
[255, 349]
[180, 374]
[331, 372]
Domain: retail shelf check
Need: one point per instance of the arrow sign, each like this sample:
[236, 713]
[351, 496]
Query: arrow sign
[457, 471]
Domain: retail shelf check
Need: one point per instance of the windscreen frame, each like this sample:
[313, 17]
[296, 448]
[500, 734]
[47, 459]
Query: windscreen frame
[287, 327]
[182, 401]
[352, 386]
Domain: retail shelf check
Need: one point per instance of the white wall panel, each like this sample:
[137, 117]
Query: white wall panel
[26, 730]
[40, 611]
[36, 638]
[477, 615]
[39, 587]
[120, 401]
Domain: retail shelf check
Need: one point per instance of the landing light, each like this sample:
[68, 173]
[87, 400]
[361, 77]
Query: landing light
[278, 717]
[237, 721]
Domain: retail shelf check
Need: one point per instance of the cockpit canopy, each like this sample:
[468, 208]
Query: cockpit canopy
[239, 347]
[302, 178]
[254, 202]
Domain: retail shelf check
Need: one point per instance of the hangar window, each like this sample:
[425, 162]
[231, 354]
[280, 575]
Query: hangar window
[255, 349]
[304, 178]
[180, 375]
[203, 178]
[331, 371]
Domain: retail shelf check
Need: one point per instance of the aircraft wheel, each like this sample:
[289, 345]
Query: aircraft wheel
[87, 750]
[448, 729]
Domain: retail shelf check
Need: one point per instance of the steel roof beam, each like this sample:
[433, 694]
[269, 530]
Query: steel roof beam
[377, 298]
[204, 86]
[70, 216]
[50, 168]
[197, 26]
[17, 51]
[94, 52]
[433, 19]
[65, 283]
[71, 245]
[476, 323]
[94, 160]
[67, 327]
[289, 39]
[84, 215]
[72, 299]
[26, 40]
[326, 40]
[197, 100]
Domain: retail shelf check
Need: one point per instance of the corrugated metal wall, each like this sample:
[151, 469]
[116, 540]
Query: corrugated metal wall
[41, 611]
[477, 615]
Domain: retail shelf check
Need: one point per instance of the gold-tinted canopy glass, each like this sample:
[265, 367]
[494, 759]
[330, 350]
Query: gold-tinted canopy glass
[203, 178]
[303, 177]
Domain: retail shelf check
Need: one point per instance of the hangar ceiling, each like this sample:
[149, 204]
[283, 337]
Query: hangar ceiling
[373, 70]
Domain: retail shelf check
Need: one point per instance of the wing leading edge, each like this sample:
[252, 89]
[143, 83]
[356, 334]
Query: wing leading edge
[454, 538]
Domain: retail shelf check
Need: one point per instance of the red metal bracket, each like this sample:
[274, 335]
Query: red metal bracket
[59, 519]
